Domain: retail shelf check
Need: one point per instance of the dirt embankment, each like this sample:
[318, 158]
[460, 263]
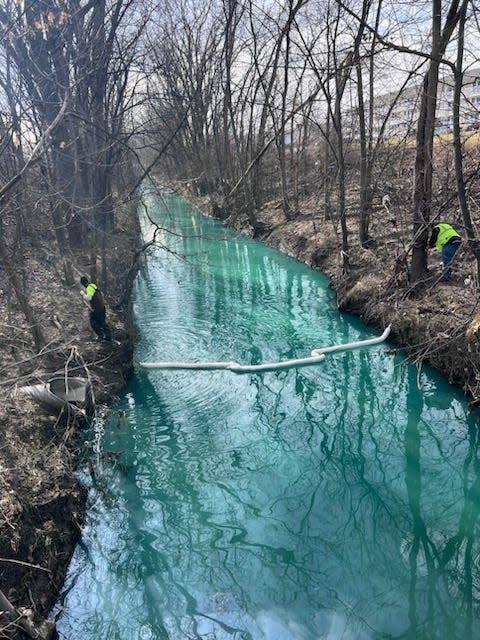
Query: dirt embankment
[41, 501]
[431, 322]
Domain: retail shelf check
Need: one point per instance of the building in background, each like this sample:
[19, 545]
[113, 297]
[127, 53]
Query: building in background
[396, 113]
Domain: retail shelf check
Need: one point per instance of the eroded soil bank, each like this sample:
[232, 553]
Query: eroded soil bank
[42, 504]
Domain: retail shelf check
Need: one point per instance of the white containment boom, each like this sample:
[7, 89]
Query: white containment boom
[317, 355]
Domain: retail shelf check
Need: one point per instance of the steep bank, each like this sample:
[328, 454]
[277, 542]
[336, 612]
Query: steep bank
[42, 504]
[433, 323]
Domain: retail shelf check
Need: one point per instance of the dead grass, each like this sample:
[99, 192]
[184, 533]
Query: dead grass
[41, 503]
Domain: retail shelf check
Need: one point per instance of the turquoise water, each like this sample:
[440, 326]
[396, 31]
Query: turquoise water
[337, 501]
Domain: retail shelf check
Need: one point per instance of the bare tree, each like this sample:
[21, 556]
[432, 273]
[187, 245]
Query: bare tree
[344, 63]
[457, 140]
[422, 198]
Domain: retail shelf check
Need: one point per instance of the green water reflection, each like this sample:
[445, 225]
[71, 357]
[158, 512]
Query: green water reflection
[335, 501]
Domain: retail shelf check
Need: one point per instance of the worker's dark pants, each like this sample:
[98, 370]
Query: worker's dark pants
[99, 324]
[448, 253]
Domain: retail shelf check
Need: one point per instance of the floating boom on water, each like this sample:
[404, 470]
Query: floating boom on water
[316, 356]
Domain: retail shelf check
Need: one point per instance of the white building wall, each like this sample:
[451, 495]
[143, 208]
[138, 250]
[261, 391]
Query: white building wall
[404, 116]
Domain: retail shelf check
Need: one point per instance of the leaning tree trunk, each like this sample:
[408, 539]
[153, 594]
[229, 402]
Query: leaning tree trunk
[27, 310]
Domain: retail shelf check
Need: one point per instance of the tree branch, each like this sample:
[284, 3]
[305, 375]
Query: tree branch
[35, 155]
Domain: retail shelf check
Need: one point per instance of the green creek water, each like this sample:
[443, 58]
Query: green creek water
[335, 501]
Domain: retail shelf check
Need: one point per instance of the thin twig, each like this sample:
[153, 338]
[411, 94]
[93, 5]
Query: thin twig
[25, 564]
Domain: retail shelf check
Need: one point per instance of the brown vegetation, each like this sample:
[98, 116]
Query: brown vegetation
[42, 503]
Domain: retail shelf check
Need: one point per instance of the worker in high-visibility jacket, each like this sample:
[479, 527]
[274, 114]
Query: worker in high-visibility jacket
[98, 317]
[446, 240]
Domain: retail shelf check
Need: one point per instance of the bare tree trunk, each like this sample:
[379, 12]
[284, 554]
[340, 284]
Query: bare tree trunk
[423, 173]
[280, 139]
[343, 71]
[327, 160]
[422, 198]
[365, 165]
[473, 240]
[231, 8]
[341, 213]
[366, 135]
[22, 298]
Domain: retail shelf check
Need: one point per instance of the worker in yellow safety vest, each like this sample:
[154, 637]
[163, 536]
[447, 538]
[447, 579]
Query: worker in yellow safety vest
[447, 241]
[98, 321]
